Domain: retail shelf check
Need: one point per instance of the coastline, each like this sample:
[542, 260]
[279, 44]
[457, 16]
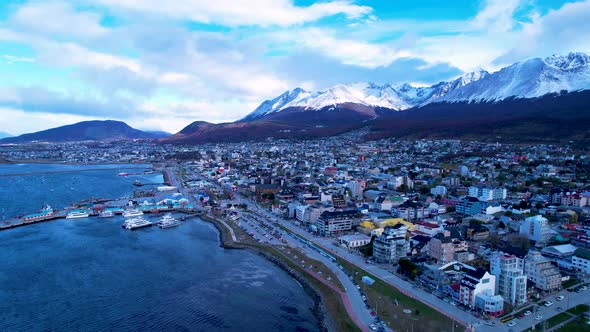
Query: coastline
[326, 319]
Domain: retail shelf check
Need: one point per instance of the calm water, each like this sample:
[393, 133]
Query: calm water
[28, 193]
[92, 275]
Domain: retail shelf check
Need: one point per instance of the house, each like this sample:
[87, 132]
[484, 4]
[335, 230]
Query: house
[474, 283]
[490, 304]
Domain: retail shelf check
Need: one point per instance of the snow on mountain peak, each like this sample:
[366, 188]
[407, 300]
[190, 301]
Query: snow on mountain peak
[571, 61]
[526, 79]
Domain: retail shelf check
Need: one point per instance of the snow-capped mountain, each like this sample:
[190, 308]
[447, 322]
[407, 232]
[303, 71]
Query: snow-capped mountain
[527, 79]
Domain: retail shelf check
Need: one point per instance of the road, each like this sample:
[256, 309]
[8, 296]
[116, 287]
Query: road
[409, 289]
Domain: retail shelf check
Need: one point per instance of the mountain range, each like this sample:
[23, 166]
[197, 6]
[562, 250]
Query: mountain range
[538, 99]
[518, 87]
[108, 130]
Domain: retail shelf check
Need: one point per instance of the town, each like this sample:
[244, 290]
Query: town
[495, 236]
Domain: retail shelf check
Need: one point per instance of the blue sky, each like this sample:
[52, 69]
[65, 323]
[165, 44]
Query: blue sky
[163, 64]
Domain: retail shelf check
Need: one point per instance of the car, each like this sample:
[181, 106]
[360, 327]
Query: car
[548, 303]
[560, 298]
[538, 317]
[559, 309]
[373, 327]
[453, 303]
[584, 288]
[512, 323]
[527, 313]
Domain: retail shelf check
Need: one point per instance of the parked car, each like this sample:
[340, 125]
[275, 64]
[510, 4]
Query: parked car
[560, 298]
[548, 303]
[538, 317]
[512, 323]
[527, 313]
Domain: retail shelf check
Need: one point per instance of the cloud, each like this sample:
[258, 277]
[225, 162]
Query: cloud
[10, 59]
[57, 18]
[42, 100]
[234, 13]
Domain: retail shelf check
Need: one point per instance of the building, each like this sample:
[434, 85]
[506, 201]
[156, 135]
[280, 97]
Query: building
[439, 191]
[443, 246]
[542, 272]
[510, 278]
[332, 222]
[487, 194]
[469, 206]
[476, 282]
[536, 229]
[391, 245]
[357, 187]
[354, 241]
[489, 303]
[581, 260]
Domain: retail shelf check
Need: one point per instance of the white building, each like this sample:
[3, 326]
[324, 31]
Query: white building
[541, 271]
[487, 194]
[510, 278]
[391, 245]
[581, 260]
[476, 282]
[439, 190]
[357, 187]
[354, 241]
[537, 229]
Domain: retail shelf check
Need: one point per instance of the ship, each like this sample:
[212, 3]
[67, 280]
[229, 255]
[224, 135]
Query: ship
[136, 223]
[106, 214]
[123, 174]
[168, 222]
[46, 212]
[132, 213]
[77, 214]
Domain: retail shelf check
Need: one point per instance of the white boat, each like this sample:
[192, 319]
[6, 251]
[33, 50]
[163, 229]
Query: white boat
[136, 223]
[132, 213]
[168, 221]
[77, 214]
[106, 214]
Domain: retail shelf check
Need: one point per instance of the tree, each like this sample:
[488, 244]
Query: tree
[501, 225]
[408, 268]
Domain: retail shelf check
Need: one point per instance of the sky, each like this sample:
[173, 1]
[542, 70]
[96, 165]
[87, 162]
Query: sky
[160, 65]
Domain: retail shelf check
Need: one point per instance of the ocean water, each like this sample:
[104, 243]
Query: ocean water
[61, 185]
[91, 275]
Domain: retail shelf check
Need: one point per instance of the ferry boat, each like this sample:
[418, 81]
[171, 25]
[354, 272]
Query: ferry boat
[132, 213]
[45, 213]
[77, 214]
[123, 174]
[168, 222]
[136, 223]
[106, 214]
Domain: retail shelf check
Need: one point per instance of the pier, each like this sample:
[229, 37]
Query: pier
[72, 171]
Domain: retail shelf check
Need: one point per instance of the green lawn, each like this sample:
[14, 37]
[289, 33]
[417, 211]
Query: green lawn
[579, 309]
[569, 283]
[578, 325]
[557, 319]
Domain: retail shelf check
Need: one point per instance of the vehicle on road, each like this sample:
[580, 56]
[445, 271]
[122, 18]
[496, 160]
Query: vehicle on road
[527, 313]
[538, 317]
[512, 323]
[560, 298]
[548, 303]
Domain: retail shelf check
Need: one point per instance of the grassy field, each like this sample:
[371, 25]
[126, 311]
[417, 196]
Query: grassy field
[557, 319]
[390, 304]
[569, 283]
[578, 325]
[579, 309]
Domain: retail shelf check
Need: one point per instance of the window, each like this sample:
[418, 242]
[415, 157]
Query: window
[485, 281]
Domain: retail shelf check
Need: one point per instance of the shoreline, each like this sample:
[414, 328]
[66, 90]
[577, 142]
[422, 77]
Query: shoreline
[326, 320]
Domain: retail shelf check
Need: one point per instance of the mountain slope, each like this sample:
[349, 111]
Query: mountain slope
[84, 131]
[528, 79]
